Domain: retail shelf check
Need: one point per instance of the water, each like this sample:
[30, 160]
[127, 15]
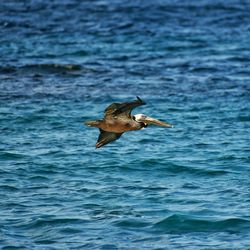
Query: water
[64, 62]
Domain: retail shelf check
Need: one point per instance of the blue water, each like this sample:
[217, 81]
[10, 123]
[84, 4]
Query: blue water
[63, 62]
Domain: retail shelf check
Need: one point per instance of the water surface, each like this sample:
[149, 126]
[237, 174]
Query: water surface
[62, 63]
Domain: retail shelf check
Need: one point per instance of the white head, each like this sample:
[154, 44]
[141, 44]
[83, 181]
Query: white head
[139, 117]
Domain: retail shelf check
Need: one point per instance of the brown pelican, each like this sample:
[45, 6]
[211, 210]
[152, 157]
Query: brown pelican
[118, 119]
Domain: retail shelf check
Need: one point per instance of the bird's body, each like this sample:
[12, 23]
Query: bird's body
[117, 125]
[118, 119]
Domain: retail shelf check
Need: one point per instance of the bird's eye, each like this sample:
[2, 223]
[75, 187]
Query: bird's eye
[133, 117]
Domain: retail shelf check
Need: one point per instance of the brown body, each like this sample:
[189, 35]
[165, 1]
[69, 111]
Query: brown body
[118, 125]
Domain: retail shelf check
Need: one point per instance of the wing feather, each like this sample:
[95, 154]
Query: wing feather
[122, 109]
[106, 137]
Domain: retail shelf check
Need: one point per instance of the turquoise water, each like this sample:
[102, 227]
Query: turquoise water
[63, 63]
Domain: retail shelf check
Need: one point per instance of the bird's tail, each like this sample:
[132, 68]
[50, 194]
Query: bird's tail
[92, 123]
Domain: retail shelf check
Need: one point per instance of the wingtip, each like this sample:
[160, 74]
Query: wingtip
[140, 100]
[99, 144]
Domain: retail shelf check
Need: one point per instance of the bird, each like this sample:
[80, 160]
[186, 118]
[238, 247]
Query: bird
[118, 120]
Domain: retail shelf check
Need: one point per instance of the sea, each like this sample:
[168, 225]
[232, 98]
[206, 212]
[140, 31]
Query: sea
[62, 62]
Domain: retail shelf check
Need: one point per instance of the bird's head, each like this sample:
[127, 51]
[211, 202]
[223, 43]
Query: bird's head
[146, 120]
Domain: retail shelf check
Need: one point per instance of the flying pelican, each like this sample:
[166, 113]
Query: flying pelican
[118, 119]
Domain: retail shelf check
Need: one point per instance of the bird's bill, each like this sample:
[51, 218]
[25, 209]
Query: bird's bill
[150, 120]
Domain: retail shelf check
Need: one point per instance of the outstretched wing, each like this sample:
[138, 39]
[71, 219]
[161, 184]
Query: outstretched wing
[116, 109]
[106, 137]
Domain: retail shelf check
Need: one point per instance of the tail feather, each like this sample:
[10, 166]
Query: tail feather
[92, 123]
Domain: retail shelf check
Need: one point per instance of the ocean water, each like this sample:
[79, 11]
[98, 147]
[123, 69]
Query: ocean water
[63, 62]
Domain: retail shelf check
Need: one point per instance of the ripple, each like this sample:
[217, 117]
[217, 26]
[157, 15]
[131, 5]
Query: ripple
[70, 230]
[182, 224]
[175, 168]
[5, 155]
[132, 224]
[55, 222]
[7, 188]
[244, 118]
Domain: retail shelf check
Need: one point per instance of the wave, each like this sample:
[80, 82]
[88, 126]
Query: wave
[8, 188]
[244, 118]
[132, 223]
[36, 71]
[183, 224]
[44, 222]
[52, 67]
[177, 168]
[204, 69]
[38, 178]
[36, 68]
[11, 156]
[174, 168]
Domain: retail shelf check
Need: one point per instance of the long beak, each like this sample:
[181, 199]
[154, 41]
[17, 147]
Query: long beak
[150, 120]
